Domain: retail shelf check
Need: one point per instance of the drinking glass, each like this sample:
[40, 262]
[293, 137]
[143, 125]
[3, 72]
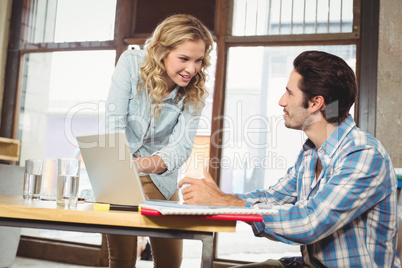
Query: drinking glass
[67, 182]
[32, 179]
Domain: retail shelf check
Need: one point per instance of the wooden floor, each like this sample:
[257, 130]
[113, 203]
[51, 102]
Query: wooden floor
[22, 262]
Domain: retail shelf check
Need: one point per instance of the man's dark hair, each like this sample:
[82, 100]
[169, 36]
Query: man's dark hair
[329, 76]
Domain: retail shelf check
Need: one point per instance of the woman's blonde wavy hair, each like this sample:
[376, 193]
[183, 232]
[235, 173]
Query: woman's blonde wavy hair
[170, 33]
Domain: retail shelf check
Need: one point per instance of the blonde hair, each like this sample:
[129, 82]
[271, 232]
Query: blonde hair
[171, 32]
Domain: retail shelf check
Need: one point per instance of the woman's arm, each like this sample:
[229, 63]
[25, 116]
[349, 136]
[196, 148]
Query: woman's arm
[122, 87]
[150, 164]
[181, 141]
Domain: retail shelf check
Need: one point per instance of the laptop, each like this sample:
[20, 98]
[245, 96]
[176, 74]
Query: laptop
[111, 169]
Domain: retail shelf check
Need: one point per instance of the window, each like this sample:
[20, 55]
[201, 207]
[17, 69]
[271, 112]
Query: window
[273, 17]
[71, 21]
[63, 96]
[64, 92]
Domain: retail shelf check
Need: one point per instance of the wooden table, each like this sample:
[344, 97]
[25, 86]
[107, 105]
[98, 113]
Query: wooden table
[17, 212]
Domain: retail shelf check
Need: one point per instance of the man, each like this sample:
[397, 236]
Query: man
[339, 200]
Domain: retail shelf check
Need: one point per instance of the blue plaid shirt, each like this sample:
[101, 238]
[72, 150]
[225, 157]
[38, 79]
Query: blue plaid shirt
[348, 216]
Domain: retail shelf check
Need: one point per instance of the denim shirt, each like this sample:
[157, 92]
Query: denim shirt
[171, 135]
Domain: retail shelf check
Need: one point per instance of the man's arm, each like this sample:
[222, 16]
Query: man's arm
[206, 192]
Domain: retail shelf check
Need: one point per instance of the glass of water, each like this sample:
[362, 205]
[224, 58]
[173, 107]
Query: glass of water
[32, 179]
[68, 178]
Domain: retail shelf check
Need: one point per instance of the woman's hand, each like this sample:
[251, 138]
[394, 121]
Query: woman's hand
[206, 192]
[150, 164]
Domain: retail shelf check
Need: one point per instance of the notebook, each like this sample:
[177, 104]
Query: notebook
[151, 206]
[111, 169]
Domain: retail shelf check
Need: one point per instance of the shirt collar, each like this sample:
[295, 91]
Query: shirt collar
[173, 94]
[333, 142]
[335, 139]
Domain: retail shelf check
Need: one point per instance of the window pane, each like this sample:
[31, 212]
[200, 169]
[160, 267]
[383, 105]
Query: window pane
[71, 20]
[257, 147]
[272, 17]
[63, 95]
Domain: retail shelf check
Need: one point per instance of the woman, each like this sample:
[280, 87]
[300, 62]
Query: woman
[156, 97]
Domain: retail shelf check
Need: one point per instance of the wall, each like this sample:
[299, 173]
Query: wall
[5, 13]
[389, 93]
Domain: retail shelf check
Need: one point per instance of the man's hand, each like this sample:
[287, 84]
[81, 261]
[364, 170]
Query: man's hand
[206, 192]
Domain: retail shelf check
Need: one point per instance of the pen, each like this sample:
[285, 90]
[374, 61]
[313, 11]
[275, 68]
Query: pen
[106, 207]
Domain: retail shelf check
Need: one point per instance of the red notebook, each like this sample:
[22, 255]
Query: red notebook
[170, 208]
[227, 217]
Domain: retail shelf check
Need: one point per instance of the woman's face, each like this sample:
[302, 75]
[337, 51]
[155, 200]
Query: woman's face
[183, 63]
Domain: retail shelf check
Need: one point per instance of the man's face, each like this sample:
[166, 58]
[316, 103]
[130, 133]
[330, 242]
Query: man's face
[295, 114]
